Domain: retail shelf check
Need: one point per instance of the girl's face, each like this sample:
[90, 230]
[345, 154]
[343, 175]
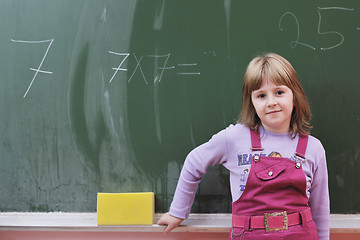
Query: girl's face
[273, 105]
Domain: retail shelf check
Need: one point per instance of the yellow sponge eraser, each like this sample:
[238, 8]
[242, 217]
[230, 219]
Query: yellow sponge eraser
[125, 208]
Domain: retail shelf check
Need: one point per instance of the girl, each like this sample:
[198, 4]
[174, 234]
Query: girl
[284, 194]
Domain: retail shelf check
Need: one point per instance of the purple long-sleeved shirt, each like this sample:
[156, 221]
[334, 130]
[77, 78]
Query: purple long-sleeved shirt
[231, 148]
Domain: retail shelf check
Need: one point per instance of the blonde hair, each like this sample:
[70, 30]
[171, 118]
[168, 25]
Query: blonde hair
[278, 70]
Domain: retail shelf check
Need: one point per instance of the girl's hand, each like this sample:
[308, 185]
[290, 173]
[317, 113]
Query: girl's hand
[171, 222]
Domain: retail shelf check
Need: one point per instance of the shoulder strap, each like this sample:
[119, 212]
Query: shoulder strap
[300, 149]
[255, 141]
[301, 146]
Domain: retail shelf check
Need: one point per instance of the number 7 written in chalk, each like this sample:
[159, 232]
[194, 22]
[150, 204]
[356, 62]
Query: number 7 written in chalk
[37, 70]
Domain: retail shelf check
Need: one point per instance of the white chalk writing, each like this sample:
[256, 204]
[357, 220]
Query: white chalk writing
[187, 65]
[37, 70]
[294, 43]
[331, 32]
[121, 63]
[160, 63]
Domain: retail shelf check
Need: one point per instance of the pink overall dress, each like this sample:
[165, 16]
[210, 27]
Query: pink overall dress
[274, 204]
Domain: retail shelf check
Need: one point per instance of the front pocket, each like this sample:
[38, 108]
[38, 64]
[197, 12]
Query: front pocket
[270, 172]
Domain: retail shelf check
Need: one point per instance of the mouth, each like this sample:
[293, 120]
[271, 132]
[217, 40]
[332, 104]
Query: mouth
[272, 112]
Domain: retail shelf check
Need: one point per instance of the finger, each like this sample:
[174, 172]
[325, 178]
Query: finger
[168, 229]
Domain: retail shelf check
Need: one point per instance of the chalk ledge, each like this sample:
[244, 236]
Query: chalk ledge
[59, 221]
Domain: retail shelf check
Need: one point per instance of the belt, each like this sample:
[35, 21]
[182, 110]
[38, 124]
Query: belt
[271, 221]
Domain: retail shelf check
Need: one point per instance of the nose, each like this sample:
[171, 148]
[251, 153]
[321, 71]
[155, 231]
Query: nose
[272, 101]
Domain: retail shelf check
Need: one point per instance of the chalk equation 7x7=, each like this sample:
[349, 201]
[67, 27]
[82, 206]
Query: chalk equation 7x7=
[160, 62]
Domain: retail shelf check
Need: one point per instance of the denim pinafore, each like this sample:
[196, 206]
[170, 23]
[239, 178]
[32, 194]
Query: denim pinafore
[274, 204]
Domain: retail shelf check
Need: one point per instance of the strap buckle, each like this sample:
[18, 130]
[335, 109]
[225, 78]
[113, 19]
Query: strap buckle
[256, 149]
[285, 218]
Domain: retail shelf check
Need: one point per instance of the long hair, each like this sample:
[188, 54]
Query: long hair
[278, 70]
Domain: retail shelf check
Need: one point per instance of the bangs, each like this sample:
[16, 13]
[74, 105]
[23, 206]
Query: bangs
[270, 69]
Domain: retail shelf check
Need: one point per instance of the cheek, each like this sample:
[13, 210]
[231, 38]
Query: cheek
[291, 108]
[292, 104]
[257, 107]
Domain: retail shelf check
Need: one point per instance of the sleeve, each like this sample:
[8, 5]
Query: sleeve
[319, 198]
[196, 163]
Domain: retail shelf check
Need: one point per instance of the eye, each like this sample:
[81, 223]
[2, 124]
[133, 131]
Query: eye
[261, 95]
[279, 92]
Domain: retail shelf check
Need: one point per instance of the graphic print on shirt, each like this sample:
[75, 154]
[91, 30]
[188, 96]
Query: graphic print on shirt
[275, 154]
[244, 161]
[243, 178]
[293, 158]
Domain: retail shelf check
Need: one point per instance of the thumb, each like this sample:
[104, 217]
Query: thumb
[161, 222]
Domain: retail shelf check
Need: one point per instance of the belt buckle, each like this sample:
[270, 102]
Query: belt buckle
[266, 221]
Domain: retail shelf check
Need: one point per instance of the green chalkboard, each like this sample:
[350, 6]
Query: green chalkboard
[111, 95]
